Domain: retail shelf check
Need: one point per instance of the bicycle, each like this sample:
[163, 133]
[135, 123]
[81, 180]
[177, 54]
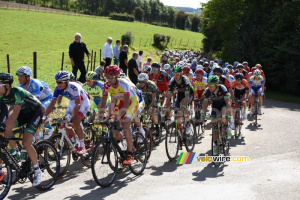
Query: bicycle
[223, 143]
[238, 121]
[201, 124]
[66, 147]
[256, 106]
[48, 160]
[108, 154]
[176, 136]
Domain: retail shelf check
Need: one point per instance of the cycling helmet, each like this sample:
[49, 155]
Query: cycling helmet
[239, 66]
[199, 67]
[199, 72]
[226, 64]
[216, 61]
[72, 77]
[213, 79]
[217, 70]
[6, 78]
[253, 69]
[95, 77]
[155, 65]
[205, 64]
[122, 75]
[194, 61]
[112, 70]
[258, 65]
[143, 77]
[24, 71]
[229, 67]
[257, 72]
[90, 75]
[201, 62]
[186, 69]
[63, 76]
[167, 67]
[225, 71]
[238, 76]
[177, 68]
[147, 68]
[181, 64]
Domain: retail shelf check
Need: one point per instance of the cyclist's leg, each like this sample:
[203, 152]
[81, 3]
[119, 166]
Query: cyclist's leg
[69, 111]
[213, 115]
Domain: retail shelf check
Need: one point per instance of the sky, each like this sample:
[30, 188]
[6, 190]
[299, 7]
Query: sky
[184, 3]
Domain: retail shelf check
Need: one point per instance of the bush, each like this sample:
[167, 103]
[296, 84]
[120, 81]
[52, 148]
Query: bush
[161, 40]
[127, 38]
[121, 17]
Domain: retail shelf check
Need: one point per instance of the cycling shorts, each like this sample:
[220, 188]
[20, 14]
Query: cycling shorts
[131, 111]
[198, 94]
[84, 107]
[238, 94]
[180, 98]
[255, 90]
[215, 111]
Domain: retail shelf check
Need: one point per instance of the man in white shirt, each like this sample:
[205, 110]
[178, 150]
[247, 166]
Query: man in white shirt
[107, 52]
[116, 52]
[139, 61]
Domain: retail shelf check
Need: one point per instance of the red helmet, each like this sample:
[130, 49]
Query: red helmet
[258, 65]
[253, 69]
[112, 70]
[186, 69]
[199, 72]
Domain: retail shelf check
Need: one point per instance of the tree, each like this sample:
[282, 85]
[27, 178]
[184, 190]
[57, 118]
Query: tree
[195, 23]
[181, 18]
[138, 13]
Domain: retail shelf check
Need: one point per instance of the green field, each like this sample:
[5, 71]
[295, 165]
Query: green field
[49, 34]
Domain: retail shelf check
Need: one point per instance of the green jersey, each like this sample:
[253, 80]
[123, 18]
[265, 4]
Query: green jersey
[96, 91]
[147, 92]
[19, 96]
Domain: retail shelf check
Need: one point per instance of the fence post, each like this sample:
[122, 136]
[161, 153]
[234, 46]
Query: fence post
[8, 65]
[34, 64]
[146, 43]
[100, 57]
[180, 42]
[94, 61]
[87, 68]
[62, 61]
[175, 41]
[140, 42]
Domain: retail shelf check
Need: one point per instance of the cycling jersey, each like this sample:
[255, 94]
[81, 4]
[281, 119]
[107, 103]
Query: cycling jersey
[224, 81]
[190, 76]
[38, 88]
[184, 86]
[149, 90]
[230, 78]
[73, 91]
[122, 88]
[244, 72]
[19, 96]
[95, 91]
[161, 80]
[199, 86]
[239, 90]
[256, 82]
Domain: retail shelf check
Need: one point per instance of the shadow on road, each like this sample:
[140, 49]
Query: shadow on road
[166, 167]
[269, 103]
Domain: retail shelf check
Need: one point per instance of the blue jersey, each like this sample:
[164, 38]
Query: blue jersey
[38, 88]
[73, 91]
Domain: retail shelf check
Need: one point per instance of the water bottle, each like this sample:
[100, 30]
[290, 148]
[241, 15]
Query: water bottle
[124, 144]
[23, 155]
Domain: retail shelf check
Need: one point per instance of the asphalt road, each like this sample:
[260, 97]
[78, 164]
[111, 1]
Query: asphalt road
[272, 173]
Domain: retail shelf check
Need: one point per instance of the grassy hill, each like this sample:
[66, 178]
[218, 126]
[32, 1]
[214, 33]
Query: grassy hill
[49, 34]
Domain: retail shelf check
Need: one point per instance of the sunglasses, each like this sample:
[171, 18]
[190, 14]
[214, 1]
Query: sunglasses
[110, 77]
[89, 80]
[2, 85]
[59, 82]
[176, 74]
[142, 82]
[154, 69]
[211, 85]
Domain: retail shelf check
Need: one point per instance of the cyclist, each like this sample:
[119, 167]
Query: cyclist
[147, 70]
[94, 88]
[258, 66]
[39, 89]
[231, 71]
[246, 67]
[78, 106]
[188, 73]
[194, 65]
[257, 86]
[151, 96]
[126, 106]
[207, 69]
[220, 103]
[240, 69]
[226, 73]
[168, 70]
[27, 109]
[241, 91]
[185, 94]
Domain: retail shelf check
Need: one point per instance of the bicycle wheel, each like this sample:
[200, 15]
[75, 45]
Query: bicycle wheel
[64, 151]
[149, 139]
[236, 122]
[172, 142]
[215, 130]
[155, 135]
[225, 143]
[190, 138]
[90, 139]
[48, 160]
[256, 112]
[111, 160]
[102, 173]
[7, 179]
[140, 154]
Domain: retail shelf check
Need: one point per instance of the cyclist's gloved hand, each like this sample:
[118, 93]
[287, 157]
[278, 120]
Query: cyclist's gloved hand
[262, 94]
[227, 116]
[2, 127]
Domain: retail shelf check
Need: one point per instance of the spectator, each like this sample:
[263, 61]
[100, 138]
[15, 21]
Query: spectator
[148, 63]
[133, 68]
[76, 54]
[124, 59]
[116, 52]
[139, 61]
[107, 52]
[99, 71]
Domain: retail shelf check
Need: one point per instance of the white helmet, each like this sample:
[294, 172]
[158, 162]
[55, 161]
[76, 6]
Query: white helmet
[167, 67]
[147, 68]
[24, 71]
[195, 61]
[257, 73]
[122, 75]
[143, 77]
[199, 67]
[181, 64]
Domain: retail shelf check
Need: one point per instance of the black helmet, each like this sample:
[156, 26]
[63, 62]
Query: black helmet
[155, 65]
[205, 64]
[6, 78]
[201, 62]
[239, 76]
[239, 66]
[218, 70]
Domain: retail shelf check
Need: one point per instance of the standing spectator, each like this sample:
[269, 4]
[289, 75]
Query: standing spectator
[124, 59]
[76, 54]
[246, 67]
[139, 61]
[107, 52]
[148, 63]
[133, 68]
[116, 52]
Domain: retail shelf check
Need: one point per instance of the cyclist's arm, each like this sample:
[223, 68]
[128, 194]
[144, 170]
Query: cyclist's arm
[228, 106]
[204, 106]
[102, 106]
[169, 96]
[77, 105]
[50, 107]
[153, 99]
[13, 117]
